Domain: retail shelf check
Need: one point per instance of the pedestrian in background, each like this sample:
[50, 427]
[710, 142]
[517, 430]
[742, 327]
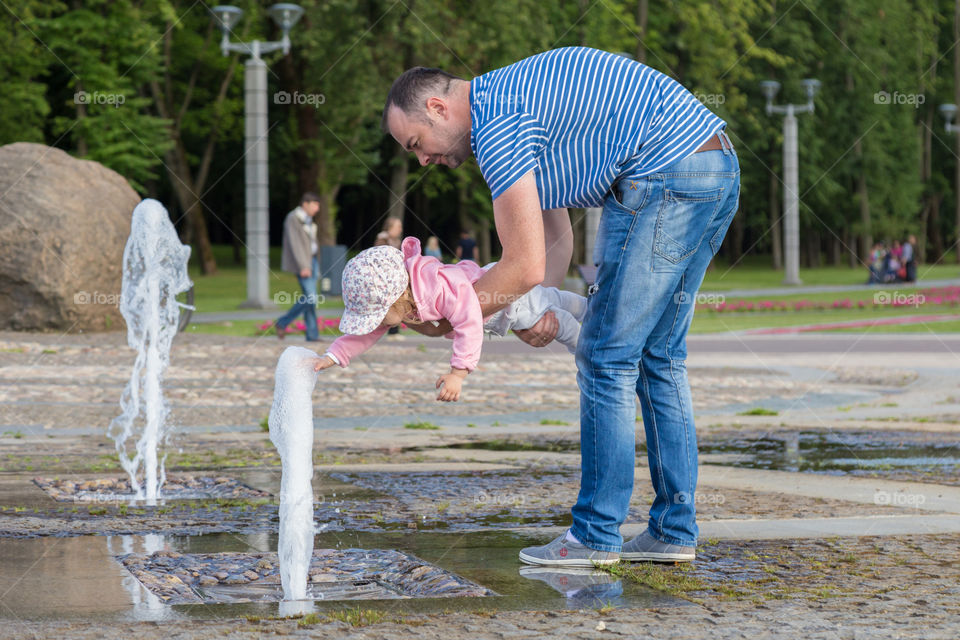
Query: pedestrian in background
[300, 258]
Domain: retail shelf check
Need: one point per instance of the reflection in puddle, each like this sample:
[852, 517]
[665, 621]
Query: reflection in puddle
[581, 587]
[856, 453]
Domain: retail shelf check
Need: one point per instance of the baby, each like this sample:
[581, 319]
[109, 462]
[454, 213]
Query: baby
[384, 287]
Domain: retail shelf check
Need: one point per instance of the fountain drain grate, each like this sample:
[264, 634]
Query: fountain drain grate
[177, 487]
[335, 574]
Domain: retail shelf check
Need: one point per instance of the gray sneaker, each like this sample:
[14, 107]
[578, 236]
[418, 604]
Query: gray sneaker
[566, 553]
[647, 548]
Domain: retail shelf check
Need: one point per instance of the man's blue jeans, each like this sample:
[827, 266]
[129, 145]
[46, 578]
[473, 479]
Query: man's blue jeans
[305, 303]
[657, 236]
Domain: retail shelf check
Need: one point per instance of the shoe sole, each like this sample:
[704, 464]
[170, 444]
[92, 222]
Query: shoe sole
[573, 562]
[646, 556]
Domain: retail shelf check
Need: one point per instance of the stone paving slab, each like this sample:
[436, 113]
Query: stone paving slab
[915, 495]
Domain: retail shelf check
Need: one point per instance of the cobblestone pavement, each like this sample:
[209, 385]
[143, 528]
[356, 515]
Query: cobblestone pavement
[58, 393]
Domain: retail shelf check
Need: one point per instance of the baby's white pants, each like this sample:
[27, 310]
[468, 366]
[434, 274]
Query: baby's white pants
[524, 312]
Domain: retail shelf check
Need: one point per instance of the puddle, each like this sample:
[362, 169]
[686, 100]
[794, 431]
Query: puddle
[868, 453]
[553, 446]
[80, 577]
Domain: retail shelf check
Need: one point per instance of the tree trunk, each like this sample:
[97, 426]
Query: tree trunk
[956, 138]
[187, 191]
[188, 186]
[936, 238]
[850, 240]
[483, 240]
[866, 234]
[642, 11]
[735, 244]
[326, 233]
[399, 173]
[578, 221]
[926, 167]
[775, 236]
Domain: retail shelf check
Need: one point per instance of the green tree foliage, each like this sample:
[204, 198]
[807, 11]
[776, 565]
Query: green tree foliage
[875, 161]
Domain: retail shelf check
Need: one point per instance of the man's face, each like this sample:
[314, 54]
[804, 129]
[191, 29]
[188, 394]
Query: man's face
[436, 138]
[311, 207]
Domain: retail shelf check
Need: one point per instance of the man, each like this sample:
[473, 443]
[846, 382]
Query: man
[909, 259]
[466, 246]
[581, 127]
[300, 258]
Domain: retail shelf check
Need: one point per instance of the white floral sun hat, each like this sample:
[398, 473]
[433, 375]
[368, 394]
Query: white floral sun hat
[372, 282]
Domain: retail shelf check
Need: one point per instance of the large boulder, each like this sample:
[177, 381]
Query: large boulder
[63, 225]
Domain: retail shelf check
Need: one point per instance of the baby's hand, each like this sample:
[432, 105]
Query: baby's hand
[323, 362]
[449, 385]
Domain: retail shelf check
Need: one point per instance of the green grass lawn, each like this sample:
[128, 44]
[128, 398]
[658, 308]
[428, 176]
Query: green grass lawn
[713, 322]
[755, 273]
[226, 290]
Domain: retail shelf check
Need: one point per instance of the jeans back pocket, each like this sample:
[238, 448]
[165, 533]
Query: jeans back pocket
[683, 220]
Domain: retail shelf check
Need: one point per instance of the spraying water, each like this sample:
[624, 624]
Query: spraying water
[154, 272]
[291, 431]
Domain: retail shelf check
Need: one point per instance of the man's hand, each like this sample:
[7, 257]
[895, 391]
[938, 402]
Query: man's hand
[323, 362]
[449, 385]
[542, 333]
[305, 273]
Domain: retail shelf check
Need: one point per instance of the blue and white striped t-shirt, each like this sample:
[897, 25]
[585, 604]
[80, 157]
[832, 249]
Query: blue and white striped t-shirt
[581, 119]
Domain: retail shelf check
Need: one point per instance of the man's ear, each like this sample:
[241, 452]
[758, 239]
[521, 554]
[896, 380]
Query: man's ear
[437, 107]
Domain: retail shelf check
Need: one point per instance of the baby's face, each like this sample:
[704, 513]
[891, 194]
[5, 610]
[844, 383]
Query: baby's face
[392, 319]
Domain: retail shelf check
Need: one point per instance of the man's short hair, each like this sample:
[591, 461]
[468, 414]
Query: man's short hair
[410, 90]
[309, 196]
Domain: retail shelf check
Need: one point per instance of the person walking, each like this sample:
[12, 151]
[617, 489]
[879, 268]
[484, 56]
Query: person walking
[910, 259]
[466, 246]
[579, 127]
[300, 258]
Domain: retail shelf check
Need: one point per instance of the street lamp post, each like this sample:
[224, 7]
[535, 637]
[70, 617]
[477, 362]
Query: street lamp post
[255, 141]
[949, 112]
[791, 199]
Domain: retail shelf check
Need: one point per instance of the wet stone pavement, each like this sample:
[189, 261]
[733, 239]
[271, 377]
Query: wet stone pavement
[421, 508]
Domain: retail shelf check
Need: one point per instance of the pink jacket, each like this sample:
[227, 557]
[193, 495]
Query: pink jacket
[440, 291]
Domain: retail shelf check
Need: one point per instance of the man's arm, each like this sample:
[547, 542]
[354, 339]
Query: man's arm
[558, 236]
[519, 222]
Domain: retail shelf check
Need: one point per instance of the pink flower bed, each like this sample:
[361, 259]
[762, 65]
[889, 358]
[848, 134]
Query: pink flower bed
[883, 298]
[324, 324]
